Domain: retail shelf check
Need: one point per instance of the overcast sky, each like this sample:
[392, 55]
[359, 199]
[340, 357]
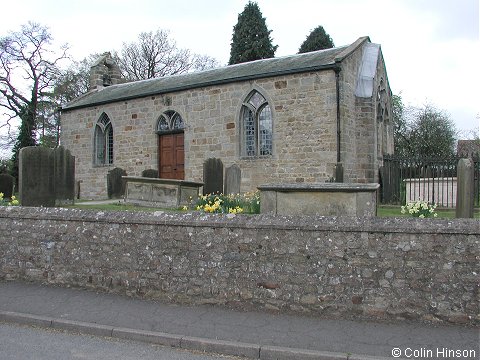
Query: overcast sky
[431, 47]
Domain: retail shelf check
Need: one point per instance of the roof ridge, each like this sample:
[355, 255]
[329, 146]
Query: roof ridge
[262, 68]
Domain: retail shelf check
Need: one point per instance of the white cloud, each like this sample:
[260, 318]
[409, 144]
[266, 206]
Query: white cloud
[430, 47]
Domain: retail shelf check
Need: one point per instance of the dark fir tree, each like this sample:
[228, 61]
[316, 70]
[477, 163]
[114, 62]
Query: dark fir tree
[317, 40]
[251, 37]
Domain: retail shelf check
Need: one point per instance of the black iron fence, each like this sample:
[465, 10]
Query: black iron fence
[429, 179]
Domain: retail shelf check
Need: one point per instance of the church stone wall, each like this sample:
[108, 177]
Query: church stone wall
[364, 140]
[304, 132]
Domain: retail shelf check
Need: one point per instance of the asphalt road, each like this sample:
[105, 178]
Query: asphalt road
[30, 343]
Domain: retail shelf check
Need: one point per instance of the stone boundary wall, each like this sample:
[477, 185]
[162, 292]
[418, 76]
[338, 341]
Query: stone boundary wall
[336, 267]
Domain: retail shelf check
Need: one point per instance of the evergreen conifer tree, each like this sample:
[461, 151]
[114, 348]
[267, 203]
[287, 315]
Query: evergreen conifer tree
[317, 40]
[251, 37]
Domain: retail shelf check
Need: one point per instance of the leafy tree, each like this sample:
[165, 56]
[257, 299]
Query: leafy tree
[424, 132]
[73, 81]
[69, 84]
[154, 55]
[400, 128]
[318, 39]
[433, 133]
[28, 69]
[251, 37]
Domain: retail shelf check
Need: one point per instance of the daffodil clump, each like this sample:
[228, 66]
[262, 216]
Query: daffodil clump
[229, 204]
[4, 202]
[420, 209]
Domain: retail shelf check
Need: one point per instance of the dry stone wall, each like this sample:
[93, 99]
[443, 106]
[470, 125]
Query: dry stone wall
[368, 268]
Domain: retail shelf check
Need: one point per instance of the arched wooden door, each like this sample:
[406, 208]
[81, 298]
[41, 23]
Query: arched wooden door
[171, 159]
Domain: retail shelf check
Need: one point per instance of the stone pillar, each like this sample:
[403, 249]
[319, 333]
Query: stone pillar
[464, 208]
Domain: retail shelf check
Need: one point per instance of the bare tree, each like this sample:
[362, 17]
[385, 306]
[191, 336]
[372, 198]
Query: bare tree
[28, 69]
[154, 54]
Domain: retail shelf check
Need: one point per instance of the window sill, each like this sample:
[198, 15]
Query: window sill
[103, 165]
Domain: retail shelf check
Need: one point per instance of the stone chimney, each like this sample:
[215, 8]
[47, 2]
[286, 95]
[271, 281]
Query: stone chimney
[104, 72]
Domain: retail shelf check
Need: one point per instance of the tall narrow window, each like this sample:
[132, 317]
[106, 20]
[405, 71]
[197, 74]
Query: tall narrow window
[256, 126]
[103, 141]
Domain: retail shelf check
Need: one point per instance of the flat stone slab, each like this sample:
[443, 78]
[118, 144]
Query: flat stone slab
[154, 192]
[327, 199]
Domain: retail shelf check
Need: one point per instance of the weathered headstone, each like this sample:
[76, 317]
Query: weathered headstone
[7, 183]
[465, 187]
[115, 183]
[212, 176]
[36, 183]
[339, 173]
[46, 176]
[150, 173]
[233, 178]
[64, 164]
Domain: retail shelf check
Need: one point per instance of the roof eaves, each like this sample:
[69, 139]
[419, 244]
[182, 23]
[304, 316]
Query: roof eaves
[206, 84]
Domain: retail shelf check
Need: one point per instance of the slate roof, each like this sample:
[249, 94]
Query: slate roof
[313, 61]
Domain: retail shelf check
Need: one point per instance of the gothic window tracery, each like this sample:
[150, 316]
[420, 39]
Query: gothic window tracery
[382, 100]
[103, 141]
[256, 126]
[170, 121]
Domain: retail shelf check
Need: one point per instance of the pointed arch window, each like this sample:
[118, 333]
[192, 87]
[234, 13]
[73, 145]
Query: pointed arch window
[170, 121]
[256, 126]
[103, 141]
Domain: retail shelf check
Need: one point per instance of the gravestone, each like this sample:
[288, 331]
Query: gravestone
[115, 183]
[64, 165]
[465, 189]
[46, 176]
[7, 183]
[36, 182]
[233, 178]
[150, 173]
[212, 176]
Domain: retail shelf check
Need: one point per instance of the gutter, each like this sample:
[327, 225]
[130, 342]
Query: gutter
[337, 70]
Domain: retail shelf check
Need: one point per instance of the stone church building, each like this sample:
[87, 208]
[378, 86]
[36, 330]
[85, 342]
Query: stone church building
[283, 120]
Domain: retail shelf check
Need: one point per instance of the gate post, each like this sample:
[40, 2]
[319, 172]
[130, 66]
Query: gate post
[464, 208]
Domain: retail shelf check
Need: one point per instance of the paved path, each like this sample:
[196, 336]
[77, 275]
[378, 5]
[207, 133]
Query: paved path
[254, 334]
